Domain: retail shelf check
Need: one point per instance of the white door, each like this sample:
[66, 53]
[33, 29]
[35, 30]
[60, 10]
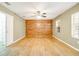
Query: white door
[9, 29]
[6, 29]
[2, 30]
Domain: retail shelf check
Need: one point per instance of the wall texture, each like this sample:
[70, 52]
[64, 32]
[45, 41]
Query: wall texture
[18, 23]
[38, 28]
[65, 27]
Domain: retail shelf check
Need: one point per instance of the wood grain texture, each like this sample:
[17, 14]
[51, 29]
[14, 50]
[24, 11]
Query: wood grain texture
[41, 47]
[38, 28]
[39, 42]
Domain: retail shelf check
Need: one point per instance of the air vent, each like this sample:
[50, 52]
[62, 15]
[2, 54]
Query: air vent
[7, 3]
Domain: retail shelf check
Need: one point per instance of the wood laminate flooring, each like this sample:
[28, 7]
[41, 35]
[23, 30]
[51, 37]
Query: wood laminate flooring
[41, 47]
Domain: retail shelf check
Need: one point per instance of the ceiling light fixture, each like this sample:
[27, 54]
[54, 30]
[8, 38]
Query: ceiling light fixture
[38, 17]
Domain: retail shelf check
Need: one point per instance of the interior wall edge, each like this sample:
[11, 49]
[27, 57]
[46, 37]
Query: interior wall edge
[65, 27]
[18, 22]
[13, 13]
[17, 40]
[66, 11]
[66, 43]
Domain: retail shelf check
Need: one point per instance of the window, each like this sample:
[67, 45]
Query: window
[75, 25]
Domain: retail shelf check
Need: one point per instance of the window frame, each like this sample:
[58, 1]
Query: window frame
[74, 25]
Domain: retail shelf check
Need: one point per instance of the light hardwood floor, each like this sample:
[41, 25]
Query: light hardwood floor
[41, 47]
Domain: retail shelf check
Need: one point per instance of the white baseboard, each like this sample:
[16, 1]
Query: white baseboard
[67, 44]
[17, 40]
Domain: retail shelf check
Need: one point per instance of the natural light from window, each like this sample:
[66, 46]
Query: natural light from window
[75, 25]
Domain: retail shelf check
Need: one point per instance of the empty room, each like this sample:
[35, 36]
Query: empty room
[39, 29]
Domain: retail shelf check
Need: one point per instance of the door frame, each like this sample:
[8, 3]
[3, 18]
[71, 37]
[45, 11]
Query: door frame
[9, 29]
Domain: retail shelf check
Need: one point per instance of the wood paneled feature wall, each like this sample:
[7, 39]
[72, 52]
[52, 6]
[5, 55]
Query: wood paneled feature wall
[38, 28]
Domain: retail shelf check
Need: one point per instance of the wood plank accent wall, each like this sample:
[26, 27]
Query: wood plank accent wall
[38, 28]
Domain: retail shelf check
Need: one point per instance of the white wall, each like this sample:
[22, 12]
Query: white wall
[65, 25]
[18, 30]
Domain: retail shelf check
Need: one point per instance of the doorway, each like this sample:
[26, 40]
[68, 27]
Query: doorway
[6, 31]
[2, 31]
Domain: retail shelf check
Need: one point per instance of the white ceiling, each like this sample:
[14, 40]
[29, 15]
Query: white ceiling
[27, 9]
